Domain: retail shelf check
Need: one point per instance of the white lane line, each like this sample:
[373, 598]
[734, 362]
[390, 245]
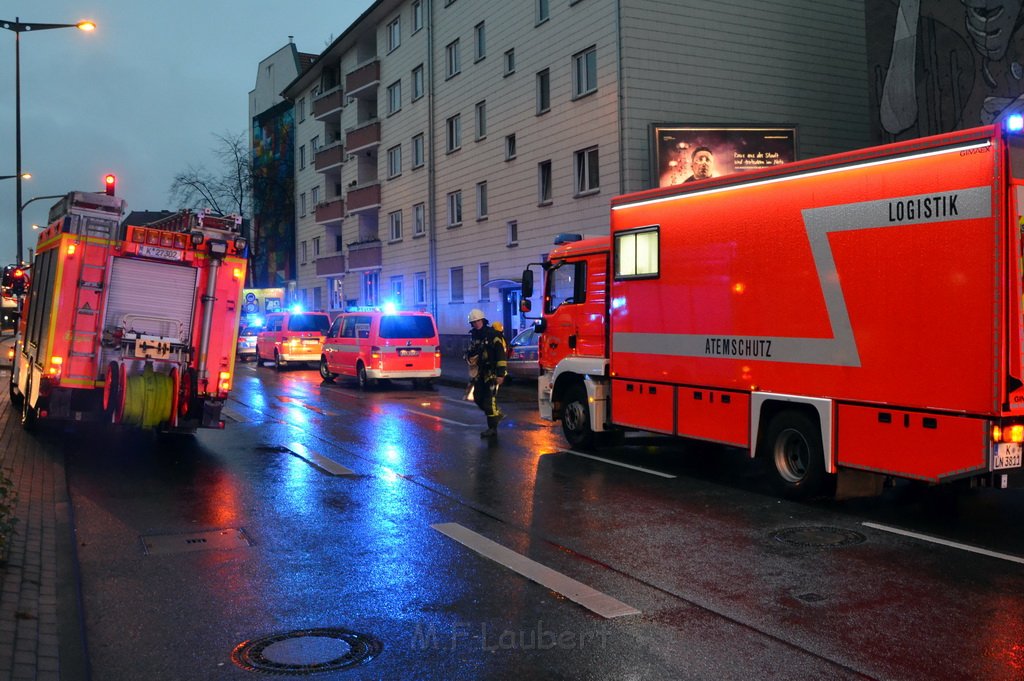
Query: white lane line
[603, 604]
[438, 418]
[325, 464]
[945, 542]
[619, 463]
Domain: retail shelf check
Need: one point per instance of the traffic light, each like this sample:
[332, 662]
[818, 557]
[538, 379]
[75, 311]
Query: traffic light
[15, 280]
[109, 183]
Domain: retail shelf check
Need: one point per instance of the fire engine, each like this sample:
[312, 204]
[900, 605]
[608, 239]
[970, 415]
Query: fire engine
[860, 311]
[133, 325]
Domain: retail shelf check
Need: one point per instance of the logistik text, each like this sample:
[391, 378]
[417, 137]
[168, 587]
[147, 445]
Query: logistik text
[922, 208]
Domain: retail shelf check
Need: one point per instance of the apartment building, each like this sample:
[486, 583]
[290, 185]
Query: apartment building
[440, 145]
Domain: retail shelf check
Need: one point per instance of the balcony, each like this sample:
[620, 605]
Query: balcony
[330, 211]
[363, 198]
[364, 255]
[362, 79]
[358, 139]
[331, 266]
[328, 104]
[329, 158]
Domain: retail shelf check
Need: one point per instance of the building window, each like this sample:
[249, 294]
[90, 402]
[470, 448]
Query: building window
[453, 65]
[585, 171]
[417, 15]
[397, 287]
[480, 42]
[636, 253]
[394, 97]
[316, 246]
[543, 11]
[481, 120]
[454, 209]
[544, 91]
[455, 293]
[305, 252]
[314, 144]
[544, 182]
[300, 107]
[302, 156]
[419, 223]
[395, 161]
[484, 276]
[481, 200]
[454, 140]
[302, 204]
[510, 147]
[510, 62]
[512, 233]
[371, 288]
[417, 82]
[314, 197]
[394, 34]
[420, 288]
[417, 151]
[584, 72]
[395, 225]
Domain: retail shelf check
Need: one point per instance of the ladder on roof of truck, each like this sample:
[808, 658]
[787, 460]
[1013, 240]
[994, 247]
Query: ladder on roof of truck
[93, 256]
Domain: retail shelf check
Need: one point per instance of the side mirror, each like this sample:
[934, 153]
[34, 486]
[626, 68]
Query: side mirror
[527, 284]
[525, 305]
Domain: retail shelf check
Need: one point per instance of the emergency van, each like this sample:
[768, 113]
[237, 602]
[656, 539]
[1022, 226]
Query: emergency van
[861, 311]
[289, 337]
[376, 345]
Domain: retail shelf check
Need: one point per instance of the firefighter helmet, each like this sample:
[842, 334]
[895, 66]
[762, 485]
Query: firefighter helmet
[476, 314]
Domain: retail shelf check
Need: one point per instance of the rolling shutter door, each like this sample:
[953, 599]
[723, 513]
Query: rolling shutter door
[152, 298]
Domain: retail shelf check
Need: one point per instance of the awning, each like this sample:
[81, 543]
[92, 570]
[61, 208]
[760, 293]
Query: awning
[504, 283]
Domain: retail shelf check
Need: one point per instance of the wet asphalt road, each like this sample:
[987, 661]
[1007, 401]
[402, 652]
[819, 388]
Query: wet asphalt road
[694, 549]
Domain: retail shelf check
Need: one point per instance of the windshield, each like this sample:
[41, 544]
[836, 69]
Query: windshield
[309, 322]
[407, 326]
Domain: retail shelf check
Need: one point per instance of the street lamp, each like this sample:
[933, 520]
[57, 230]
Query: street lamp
[19, 27]
[24, 176]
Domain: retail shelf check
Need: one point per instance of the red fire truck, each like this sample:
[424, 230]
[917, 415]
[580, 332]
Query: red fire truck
[857, 311]
[133, 325]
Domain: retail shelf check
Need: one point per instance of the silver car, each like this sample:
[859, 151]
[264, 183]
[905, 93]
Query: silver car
[522, 355]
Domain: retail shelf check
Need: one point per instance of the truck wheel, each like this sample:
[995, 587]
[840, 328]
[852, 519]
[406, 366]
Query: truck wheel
[29, 414]
[793, 447]
[278, 362]
[16, 397]
[576, 418]
[365, 382]
[325, 373]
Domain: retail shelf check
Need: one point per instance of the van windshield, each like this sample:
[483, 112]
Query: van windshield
[309, 322]
[406, 326]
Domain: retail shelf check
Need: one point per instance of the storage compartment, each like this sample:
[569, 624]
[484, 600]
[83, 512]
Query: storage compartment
[647, 406]
[714, 415]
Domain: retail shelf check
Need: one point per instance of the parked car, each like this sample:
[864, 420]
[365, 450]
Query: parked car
[382, 345]
[292, 337]
[247, 342]
[522, 355]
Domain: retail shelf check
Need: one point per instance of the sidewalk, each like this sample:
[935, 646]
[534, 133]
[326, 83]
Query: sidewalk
[40, 632]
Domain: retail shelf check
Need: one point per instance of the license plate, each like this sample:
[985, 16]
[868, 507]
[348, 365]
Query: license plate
[403, 352]
[162, 253]
[1006, 456]
[311, 342]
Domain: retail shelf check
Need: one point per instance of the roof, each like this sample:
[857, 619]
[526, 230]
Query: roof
[144, 217]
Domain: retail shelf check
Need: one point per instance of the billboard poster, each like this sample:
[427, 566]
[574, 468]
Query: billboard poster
[687, 153]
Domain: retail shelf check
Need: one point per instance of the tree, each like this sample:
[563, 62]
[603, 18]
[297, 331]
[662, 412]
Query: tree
[226, 190]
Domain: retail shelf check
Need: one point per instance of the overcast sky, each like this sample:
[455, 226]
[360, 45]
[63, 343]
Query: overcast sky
[141, 96]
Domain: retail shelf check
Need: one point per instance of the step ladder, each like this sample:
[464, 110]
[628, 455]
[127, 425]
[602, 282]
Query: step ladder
[82, 363]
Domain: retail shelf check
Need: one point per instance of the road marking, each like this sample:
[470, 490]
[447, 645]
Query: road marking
[438, 418]
[603, 604]
[325, 464]
[945, 542]
[619, 463]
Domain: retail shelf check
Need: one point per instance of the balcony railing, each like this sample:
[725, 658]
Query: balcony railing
[364, 255]
[362, 138]
[363, 198]
[328, 104]
[331, 265]
[330, 157]
[330, 211]
[362, 77]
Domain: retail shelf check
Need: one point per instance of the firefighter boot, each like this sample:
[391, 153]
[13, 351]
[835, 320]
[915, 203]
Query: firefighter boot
[492, 426]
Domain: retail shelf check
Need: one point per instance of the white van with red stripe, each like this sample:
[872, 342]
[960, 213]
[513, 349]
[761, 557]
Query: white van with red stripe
[374, 345]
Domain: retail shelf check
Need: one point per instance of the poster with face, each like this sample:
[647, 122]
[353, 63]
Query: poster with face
[687, 154]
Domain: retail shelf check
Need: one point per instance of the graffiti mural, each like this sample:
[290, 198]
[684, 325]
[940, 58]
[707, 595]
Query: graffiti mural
[272, 259]
[942, 65]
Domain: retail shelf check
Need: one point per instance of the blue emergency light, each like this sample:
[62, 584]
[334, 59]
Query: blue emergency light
[1015, 123]
[390, 307]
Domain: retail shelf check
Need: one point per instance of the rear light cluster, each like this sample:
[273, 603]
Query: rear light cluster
[159, 237]
[1008, 433]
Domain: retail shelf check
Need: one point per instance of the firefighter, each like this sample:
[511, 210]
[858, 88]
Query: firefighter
[487, 358]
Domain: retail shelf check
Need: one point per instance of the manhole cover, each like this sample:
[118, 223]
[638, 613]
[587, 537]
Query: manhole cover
[819, 537]
[212, 540]
[307, 651]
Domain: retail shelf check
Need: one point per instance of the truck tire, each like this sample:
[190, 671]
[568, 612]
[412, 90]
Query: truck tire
[576, 418]
[16, 397]
[29, 414]
[365, 382]
[278, 362]
[794, 453]
[325, 373]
